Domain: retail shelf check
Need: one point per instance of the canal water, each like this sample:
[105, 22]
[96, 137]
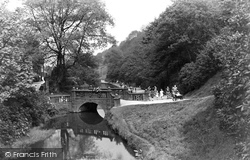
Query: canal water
[86, 135]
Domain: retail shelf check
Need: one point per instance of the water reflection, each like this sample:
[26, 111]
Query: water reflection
[86, 136]
[90, 118]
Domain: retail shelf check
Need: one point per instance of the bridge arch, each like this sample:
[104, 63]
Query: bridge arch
[88, 107]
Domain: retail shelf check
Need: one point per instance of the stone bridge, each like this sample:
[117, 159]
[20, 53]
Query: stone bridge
[85, 100]
[89, 100]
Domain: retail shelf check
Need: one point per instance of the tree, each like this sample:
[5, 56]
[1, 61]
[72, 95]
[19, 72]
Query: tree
[15, 66]
[113, 60]
[35, 54]
[178, 35]
[20, 105]
[68, 29]
[85, 71]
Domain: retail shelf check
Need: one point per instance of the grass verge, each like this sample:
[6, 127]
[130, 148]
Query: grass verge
[184, 130]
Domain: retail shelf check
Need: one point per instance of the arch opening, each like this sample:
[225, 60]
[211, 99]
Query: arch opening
[88, 107]
[89, 114]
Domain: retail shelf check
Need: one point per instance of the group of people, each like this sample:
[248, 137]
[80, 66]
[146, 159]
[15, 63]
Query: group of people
[131, 89]
[154, 93]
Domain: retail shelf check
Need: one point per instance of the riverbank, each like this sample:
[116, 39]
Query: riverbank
[34, 135]
[185, 130]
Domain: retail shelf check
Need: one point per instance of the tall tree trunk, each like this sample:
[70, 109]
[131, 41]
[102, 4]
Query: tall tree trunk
[61, 72]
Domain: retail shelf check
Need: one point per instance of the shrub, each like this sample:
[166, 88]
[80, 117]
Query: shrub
[24, 109]
[193, 75]
[232, 95]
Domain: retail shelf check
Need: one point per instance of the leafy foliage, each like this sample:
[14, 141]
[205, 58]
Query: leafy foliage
[35, 54]
[177, 37]
[113, 60]
[26, 108]
[233, 93]
[181, 32]
[193, 75]
[15, 66]
[127, 62]
[21, 107]
[84, 71]
[69, 29]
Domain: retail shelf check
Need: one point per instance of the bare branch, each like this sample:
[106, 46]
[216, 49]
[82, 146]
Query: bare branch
[51, 48]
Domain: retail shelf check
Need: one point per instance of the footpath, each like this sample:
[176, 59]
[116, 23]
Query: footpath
[153, 101]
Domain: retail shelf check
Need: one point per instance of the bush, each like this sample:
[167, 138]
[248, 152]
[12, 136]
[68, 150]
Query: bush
[24, 109]
[193, 75]
[232, 95]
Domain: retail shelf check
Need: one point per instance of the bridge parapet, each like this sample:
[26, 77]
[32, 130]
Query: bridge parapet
[138, 96]
[59, 98]
[60, 101]
[83, 93]
[103, 98]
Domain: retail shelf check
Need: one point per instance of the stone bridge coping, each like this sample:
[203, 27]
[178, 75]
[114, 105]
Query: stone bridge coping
[59, 95]
[137, 93]
[90, 90]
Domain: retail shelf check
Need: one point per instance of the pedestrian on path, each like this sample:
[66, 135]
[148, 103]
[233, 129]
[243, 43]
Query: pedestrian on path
[161, 93]
[174, 90]
[168, 94]
[156, 94]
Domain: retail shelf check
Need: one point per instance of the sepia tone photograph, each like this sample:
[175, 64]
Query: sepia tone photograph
[124, 80]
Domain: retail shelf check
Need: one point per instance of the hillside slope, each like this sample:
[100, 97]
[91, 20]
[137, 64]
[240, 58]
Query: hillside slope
[206, 89]
[183, 130]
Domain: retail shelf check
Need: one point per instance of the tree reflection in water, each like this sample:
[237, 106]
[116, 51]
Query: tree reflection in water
[65, 142]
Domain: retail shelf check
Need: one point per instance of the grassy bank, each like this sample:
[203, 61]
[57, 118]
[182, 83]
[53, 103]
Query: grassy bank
[35, 134]
[186, 130]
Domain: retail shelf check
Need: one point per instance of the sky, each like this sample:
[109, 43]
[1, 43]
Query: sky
[128, 15]
[13, 4]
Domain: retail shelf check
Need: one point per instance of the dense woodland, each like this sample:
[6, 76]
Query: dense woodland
[176, 48]
[186, 45]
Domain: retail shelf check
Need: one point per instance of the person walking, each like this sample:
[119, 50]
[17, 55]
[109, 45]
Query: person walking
[156, 94]
[161, 93]
[174, 90]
